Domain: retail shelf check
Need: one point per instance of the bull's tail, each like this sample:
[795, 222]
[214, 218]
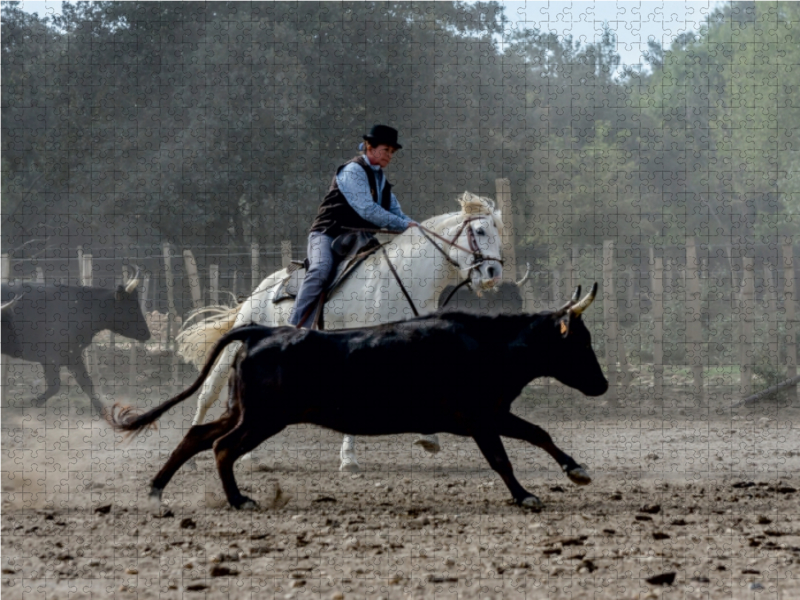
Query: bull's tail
[195, 341]
[124, 419]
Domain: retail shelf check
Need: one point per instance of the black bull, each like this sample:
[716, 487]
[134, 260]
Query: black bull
[52, 325]
[504, 298]
[460, 373]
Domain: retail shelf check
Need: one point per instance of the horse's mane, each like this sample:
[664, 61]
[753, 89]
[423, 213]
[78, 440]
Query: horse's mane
[478, 205]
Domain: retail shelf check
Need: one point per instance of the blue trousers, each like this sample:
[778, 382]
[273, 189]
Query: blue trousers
[323, 261]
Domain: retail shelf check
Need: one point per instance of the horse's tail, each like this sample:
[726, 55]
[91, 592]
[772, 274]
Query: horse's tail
[196, 340]
[124, 419]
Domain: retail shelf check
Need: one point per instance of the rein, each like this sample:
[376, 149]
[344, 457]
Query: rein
[399, 282]
[429, 234]
[453, 292]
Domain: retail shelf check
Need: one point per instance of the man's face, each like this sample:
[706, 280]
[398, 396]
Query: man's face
[380, 155]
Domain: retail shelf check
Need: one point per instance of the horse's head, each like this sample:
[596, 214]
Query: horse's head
[475, 240]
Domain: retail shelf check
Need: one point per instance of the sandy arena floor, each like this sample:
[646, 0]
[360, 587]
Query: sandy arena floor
[687, 501]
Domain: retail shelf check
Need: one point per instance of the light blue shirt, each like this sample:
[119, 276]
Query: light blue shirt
[353, 183]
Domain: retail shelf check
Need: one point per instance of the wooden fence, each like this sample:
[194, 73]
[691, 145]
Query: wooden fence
[704, 309]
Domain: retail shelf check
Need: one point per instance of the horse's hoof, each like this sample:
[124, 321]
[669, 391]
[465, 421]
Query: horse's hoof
[579, 476]
[349, 465]
[429, 443]
[531, 502]
[248, 504]
[39, 402]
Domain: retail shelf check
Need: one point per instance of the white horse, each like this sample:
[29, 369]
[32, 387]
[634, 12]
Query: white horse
[464, 244]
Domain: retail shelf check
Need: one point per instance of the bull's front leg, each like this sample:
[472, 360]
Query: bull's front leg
[492, 447]
[52, 378]
[81, 375]
[512, 426]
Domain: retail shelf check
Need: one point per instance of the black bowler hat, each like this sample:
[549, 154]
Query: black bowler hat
[383, 134]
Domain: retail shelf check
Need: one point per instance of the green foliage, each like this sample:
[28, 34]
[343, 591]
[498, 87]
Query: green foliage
[221, 123]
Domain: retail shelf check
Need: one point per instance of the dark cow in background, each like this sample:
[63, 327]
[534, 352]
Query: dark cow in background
[504, 298]
[461, 372]
[53, 324]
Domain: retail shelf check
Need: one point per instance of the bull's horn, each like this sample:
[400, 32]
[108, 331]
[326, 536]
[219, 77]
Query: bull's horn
[585, 302]
[133, 282]
[10, 304]
[525, 277]
[577, 294]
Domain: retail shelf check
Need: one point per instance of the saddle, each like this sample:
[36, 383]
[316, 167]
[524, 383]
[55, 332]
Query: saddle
[354, 248]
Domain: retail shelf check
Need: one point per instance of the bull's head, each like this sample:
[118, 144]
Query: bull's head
[128, 317]
[574, 362]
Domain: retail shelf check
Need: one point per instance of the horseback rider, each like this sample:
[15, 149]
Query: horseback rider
[360, 197]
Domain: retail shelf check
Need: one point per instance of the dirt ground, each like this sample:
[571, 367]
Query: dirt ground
[689, 500]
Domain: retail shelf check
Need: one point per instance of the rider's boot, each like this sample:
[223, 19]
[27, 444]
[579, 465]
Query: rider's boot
[348, 455]
[430, 443]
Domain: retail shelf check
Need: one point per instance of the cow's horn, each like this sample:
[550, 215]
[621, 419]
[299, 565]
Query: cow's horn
[525, 277]
[10, 304]
[577, 294]
[133, 282]
[585, 302]
[568, 306]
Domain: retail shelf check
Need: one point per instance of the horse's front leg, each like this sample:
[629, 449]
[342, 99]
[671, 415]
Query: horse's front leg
[347, 455]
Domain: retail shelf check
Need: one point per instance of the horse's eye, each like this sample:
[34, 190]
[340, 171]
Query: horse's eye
[480, 231]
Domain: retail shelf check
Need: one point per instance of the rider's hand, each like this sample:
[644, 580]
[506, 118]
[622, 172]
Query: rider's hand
[412, 224]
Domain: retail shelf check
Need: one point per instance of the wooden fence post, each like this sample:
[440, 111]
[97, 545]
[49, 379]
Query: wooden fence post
[658, 327]
[771, 310]
[144, 287]
[747, 325]
[508, 242]
[254, 270]
[213, 284]
[236, 285]
[286, 253]
[694, 322]
[172, 311]
[5, 268]
[790, 304]
[574, 271]
[79, 252]
[87, 279]
[194, 279]
[5, 276]
[610, 319]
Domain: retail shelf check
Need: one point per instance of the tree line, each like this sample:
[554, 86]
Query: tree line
[217, 124]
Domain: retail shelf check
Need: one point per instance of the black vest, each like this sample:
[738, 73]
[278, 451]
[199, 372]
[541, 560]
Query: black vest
[335, 212]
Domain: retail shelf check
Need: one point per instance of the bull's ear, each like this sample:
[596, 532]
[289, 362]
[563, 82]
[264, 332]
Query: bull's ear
[562, 324]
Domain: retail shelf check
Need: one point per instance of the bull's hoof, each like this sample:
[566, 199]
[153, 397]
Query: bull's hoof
[429, 443]
[247, 504]
[531, 502]
[154, 498]
[349, 464]
[579, 476]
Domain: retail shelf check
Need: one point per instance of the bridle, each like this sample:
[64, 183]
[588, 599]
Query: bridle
[474, 250]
